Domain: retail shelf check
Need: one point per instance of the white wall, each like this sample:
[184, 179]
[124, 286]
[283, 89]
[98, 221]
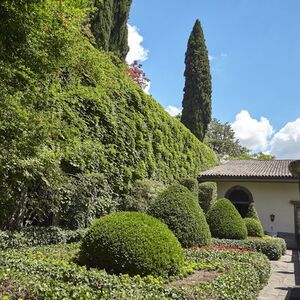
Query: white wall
[270, 198]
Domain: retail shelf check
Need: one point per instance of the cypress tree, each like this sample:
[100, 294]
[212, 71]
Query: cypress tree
[196, 113]
[109, 25]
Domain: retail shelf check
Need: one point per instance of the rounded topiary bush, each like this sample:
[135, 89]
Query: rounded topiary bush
[225, 222]
[132, 243]
[254, 227]
[179, 209]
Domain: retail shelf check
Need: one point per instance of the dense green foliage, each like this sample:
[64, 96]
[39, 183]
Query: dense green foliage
[196, 103]
[50, 273]
[109, 25]
[225, 222]
[143, 193]
[207, 194]
[37, 236]
[273, 248]
[191, 184]
[247, 273]
[179, 209]
[254, 227]
[220, 137]
[252, 212]
[75, 131]
[132, 243]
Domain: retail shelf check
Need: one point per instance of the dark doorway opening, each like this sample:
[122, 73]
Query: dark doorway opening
[241, 198]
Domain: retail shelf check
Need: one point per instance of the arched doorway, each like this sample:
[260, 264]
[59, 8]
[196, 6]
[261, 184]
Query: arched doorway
[241, 198]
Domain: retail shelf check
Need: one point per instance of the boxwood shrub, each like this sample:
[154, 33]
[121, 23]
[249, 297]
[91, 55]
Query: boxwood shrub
[254, 227]
[252, 212]
[132, 243]
[207, 194]
[225, 221]
[38, 236]
[191, 184]
[143, 193]
[273, 248]
[179, 209]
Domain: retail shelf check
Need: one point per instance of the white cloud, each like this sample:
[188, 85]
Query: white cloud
[136, 50]
[173, 111]
[210, 57]
[146, 89]
[253, 134]
[286, 142]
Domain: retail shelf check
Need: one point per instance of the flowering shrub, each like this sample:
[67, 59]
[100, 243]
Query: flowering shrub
[226, 248]
[273, 248]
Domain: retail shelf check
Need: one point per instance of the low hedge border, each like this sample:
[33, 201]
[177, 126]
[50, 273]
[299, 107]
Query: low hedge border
[247, 272]
[38, 236]
[49, 272]
[273, 248]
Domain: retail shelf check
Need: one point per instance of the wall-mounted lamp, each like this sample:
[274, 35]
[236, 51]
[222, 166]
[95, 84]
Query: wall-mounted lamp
[272, 217]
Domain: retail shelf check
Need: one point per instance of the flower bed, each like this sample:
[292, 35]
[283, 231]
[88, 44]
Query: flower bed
[273, 248]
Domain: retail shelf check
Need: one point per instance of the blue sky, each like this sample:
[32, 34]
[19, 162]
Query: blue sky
[255, 51]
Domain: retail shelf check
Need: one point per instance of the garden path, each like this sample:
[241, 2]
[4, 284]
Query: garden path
[284, 283]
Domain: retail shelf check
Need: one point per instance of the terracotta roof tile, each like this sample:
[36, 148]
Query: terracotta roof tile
[250, 169]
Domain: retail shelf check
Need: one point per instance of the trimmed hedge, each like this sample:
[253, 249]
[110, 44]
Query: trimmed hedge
[246, 273]
[252, 212]
[50, 273]
[254, 227]
[38, 236]
[191, 184]
[132, 243]
[207, 194]
[273, 248]
[143, 193]
[179, 209]
[225, 221]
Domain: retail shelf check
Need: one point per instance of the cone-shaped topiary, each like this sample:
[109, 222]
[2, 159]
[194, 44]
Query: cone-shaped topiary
[254, 227]
[252, 213]
[179, 209]
[132, 243]
[225, 222]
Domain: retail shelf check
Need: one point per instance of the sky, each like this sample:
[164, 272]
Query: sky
[254, 50]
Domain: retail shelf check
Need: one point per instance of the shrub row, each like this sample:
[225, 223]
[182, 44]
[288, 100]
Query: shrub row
[37, 236]
[273, 248]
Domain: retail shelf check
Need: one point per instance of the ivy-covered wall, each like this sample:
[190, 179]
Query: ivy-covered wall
[75, 130]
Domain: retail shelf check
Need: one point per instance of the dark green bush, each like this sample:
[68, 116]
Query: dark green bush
[252, 212]
[180, 210]
[133, 243]
[143, 193]
[225, 222]
[271, 247]
[207, 194]
[37, 236]
[254, 227]
[191, 184]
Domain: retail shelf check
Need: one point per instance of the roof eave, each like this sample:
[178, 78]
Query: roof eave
[247, 178]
